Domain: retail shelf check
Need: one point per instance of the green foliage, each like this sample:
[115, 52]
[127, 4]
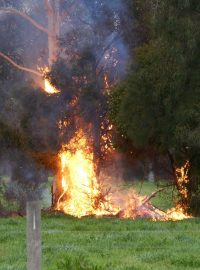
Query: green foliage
[160, 101]
[6, 206]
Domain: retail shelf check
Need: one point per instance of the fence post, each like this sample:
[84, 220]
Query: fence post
[33, 214]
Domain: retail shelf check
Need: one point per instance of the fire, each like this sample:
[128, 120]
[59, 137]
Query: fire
[177, 213]
[48, 87]
[183, 179]
[83, 195]
[106, 81]
[81, 192]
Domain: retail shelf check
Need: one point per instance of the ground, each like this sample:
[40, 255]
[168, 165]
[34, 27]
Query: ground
[105, 244]
[98, 244]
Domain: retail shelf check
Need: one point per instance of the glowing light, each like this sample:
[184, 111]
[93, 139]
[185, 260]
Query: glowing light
[183, 179]
[82, 194]
[48, 87]
[177, 213]
[106, 82]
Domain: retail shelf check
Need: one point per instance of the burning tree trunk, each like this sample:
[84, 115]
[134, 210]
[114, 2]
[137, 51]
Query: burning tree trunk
[181, 181]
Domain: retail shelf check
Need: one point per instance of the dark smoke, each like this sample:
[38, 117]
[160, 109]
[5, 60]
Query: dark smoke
[92, 44]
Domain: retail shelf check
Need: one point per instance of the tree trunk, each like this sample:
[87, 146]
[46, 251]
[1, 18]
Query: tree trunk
[53, 11]
[54, 30]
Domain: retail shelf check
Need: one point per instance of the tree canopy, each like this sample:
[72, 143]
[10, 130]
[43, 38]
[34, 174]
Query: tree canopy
[159, 103]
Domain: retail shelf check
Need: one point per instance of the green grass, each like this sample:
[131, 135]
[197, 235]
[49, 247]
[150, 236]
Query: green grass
[110, 244]
[106, 244]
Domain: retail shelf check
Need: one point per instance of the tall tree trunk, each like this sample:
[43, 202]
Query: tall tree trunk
[53, 11]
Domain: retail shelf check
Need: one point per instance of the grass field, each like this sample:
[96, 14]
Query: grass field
[97, 244]
[105, 244]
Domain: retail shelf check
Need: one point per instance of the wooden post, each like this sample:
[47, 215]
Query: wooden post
[33, 210]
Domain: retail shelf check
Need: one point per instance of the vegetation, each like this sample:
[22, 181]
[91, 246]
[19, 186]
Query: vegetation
[162, 95]
[104, 244]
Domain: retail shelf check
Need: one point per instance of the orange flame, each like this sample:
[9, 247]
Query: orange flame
[79, 183]
[177, 213]
[183, 179]
[48, 87]
[83, 194]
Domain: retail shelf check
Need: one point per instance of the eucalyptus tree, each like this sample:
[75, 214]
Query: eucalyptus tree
[46, 16]
[28, 117]
[93, 56]
[81, 39]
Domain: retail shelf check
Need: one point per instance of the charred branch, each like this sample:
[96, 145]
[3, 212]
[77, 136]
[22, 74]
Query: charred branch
[153, 195]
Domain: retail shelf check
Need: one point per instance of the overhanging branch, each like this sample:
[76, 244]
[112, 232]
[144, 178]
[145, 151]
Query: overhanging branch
[29, 70]
[27, 17]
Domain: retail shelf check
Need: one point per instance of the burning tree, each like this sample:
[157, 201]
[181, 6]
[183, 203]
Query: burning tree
[22, 130]
[97, 59]
[90, 53]
[66, 127]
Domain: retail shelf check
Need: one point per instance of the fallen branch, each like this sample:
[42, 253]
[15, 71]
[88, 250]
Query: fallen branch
[29, 70]
[153, 195]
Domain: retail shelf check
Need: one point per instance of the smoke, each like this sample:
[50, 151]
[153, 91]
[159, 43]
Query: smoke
[92, 45]
[97, 27]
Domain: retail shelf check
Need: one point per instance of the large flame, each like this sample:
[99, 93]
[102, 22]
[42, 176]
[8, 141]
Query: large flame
[81, 192]
[83, 195]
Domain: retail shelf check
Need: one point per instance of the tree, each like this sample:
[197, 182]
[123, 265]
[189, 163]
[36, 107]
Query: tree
[93, 56]
[54, 16]
[79, 64]
[27, 132]
[161, 95]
